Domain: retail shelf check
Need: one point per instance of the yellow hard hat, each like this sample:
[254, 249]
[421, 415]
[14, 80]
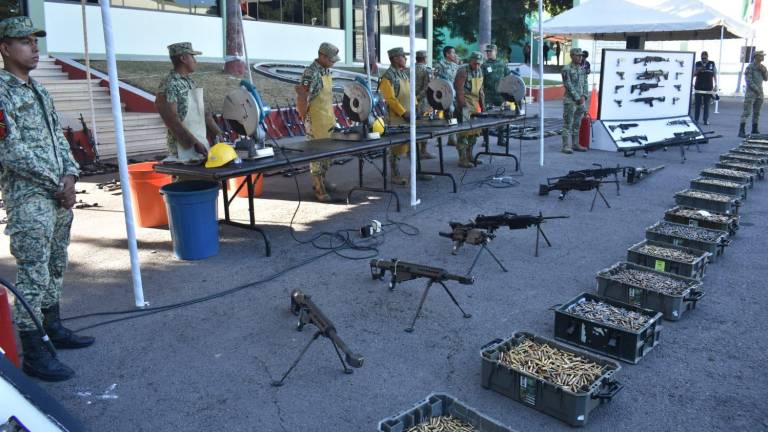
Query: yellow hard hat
[220, 155]
[378, 125]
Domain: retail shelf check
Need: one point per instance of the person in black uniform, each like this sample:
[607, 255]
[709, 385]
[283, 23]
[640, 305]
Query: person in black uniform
[704, 76]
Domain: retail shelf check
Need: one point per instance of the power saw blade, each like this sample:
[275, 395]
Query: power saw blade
[440, 94]
[357, 102]
[511, 88]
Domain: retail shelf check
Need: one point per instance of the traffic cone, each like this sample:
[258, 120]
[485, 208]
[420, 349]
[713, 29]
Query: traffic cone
[593, 103]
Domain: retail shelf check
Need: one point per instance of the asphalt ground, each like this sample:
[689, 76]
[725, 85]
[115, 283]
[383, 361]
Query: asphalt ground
[208, 366]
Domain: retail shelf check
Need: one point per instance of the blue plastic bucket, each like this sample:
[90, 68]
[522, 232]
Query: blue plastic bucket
[191, 207]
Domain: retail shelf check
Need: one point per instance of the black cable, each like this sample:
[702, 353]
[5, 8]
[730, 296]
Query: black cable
[43, 335]
[496, 180]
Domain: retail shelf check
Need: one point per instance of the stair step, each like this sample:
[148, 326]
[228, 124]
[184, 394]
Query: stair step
[49, 73]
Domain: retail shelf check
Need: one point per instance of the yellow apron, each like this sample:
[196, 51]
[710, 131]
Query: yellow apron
[404, 97]
[320, 117]
[194, 121]
[472, 103]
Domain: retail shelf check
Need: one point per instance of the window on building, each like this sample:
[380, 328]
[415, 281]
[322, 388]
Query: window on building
[400, 20]
[197, 7]
[357, 45]
[323, 13]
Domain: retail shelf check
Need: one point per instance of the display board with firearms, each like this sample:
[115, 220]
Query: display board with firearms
[402, 271]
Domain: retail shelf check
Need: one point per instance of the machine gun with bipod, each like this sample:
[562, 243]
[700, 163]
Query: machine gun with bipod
[680, 139]
[566, 184]
[470, 234]
[635, 174]
[515, 221]
[308, 313]
[403, 271]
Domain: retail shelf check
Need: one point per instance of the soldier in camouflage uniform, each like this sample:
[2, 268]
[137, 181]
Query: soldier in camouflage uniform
[423, 76]
[38, 183]
[180, 103]
[446, 69]
[493, 71]
[314, 102]
[574, 101]
[469, 99]
[754, 75]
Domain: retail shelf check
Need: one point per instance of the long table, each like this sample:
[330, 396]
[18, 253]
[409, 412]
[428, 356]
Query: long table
[295, 152]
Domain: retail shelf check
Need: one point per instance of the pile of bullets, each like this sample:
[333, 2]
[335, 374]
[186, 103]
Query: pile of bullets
[443, 424]
[718, 182]
[667, 253]
[752, 151]
[650, 281]
[564, 369]
[739, 156]
[685, 231]
[597, 311]
[705, 195]
[727, 172]
[698, 214]
[745, 165]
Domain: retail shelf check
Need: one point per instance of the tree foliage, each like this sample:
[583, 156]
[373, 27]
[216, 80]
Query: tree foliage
[508, 28]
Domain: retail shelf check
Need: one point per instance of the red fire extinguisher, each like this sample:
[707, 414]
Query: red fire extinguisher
[584, 130]
[7, 340]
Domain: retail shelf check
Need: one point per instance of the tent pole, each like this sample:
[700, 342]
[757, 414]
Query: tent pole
[719, 64]
[541, 85]
[245, 47]
[412, 106]
[366, 49]
[122, 159]
[94, 133]
[741, 71]
[530, 69]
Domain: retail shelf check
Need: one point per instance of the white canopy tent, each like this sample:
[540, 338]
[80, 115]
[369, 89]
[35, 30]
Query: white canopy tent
[654, 20]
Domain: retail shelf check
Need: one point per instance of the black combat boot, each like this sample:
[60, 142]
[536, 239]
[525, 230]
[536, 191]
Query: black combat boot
[62, 337]
[38, 362]
[754, 129]
[742, 132]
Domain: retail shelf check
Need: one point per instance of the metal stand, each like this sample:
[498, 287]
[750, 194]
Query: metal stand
[505, 138]
[304, 351]
[424, 298]
[249, 183]
[442, 167]
[597, 192]
[484, 247]
[384, 189]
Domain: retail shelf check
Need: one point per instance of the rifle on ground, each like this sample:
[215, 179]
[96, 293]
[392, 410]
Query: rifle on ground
[649, 100]
[680, 139]
[650, 59]
[635, 174]
[91, 147]
[466, 233]
[623, 126]
[567, 184]
[643, 87]
[308, 313]
[514, 221]
[404, 271]
[653, 74]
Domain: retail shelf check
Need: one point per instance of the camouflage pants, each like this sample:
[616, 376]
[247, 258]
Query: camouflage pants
[752, 105]
[39, 231]
[319, 167]
[572, 114]
[466, 140]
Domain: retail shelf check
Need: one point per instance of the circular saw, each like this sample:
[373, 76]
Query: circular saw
[440, 94]
[357, 102]
[244, 109]
[511, 88]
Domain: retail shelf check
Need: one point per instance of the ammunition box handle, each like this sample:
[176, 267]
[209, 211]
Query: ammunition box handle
[491, 344]
[608, 390]
[694, 296]
[555, 306]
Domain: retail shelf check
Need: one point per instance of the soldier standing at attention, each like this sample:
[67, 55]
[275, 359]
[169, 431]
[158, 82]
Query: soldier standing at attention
[754, 76]
[446, 69]
[180, 103]
[38, 182]
[574, 101]
[423, 76]
[314, 102]
[493, 71]
[469, 100]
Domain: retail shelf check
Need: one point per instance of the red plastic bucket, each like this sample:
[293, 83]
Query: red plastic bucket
[148, 204]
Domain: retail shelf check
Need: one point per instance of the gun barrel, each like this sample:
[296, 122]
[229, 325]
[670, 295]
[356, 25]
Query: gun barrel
[445, 234]
[464, 280]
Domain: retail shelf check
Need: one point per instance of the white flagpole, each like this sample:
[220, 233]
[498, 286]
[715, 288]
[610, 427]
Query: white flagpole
[541, 86]
[117, 115]
[412, 108]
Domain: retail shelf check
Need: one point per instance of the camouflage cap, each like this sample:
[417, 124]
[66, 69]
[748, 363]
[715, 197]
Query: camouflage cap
[477, 56]
[491, 47]
[330, 50]
[20, 26]
[421, 54]
[576, 51]
[180, 48]
[760, 53]
[394, 52]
